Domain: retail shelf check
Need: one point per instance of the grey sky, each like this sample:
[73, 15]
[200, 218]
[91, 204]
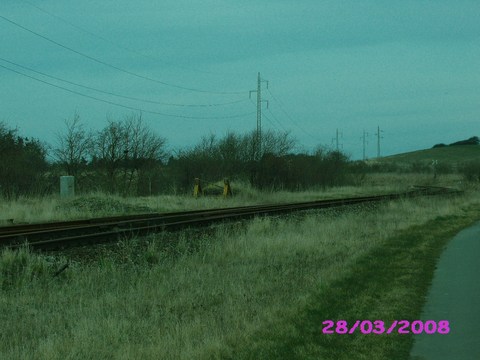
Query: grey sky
[411, 67]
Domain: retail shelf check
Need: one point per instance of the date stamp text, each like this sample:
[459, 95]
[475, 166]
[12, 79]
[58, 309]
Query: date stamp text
[379, 327]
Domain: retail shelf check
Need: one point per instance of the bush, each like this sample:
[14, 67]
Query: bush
[419, 167]
[20, 267]
[474, 140]
[470, 171]
[444, 168]
[302, 171]
[22, 164]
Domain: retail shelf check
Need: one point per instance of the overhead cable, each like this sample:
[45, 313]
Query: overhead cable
[275, 118]
[82, 29]
[290, 117]
[126, 106]
[119, 68]
[118, 95]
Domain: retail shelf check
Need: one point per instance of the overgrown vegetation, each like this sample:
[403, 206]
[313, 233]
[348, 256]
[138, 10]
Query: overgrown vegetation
[457, 158]
[245, 290]
[254, 289]
[49, 208]
[474, 140]
[20, 268]
[127, 158]
[471, 171]
[23, 165]
[278, 168]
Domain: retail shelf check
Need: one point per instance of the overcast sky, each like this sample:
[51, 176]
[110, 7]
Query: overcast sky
[411, 67]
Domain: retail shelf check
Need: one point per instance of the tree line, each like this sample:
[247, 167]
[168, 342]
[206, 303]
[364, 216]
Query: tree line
[22, 163]
[126, 157]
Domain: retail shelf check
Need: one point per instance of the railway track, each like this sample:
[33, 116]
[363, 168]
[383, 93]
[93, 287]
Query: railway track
[91, 231]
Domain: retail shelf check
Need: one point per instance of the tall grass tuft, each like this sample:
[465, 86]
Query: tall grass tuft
[21, 267]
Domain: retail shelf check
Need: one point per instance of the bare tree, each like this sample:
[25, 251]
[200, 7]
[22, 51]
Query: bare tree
[73, 146]
[208, 146]
[273, 142]
[126, 150]
[277, 143]
[109, 151]
[143, 149]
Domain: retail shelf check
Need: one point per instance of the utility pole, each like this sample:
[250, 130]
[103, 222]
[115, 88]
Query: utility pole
[258, 145]
[336, 139]
[338, 149]
[364, 137]
[378, 134]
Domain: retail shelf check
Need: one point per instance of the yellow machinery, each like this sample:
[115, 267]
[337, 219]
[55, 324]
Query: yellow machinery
[198, 190]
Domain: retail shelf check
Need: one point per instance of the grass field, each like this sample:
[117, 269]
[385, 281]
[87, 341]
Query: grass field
[51, 208]
[246, 290]
[448, 155]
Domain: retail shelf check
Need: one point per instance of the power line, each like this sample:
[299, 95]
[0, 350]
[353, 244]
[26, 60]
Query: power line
[278, 122]
[365, 142]
[270, 120]
[338, 135]
[273, 116]
[379, 136]
[116, 67]
[118, 95]
[125, 106]
[259, 114]
[79, 28]
[290, 117]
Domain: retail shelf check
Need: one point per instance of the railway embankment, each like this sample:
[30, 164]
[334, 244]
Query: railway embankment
[238, 290]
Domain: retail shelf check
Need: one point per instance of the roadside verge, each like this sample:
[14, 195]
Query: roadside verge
[389, 283]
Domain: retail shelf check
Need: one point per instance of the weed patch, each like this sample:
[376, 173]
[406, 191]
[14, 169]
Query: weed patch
[388, 283]
[243, 290]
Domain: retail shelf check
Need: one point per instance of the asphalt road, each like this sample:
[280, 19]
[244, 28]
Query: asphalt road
[454, 296]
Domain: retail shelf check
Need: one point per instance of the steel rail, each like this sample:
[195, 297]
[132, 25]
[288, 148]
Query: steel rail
[60, 234]
[36, 227]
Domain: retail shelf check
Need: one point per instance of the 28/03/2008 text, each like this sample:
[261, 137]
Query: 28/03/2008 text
[378, 327]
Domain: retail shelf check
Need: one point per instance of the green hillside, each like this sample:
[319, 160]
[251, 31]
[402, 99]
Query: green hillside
[448, 155]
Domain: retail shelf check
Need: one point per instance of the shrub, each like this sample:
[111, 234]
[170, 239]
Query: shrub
[470, 171]
[19, 267]
[22, 164]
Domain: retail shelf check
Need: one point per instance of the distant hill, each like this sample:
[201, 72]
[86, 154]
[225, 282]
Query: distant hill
[474, 140]
[446, 155]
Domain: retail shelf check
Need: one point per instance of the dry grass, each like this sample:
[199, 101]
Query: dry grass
[451, 155]
[26, 210]
[192, 295]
